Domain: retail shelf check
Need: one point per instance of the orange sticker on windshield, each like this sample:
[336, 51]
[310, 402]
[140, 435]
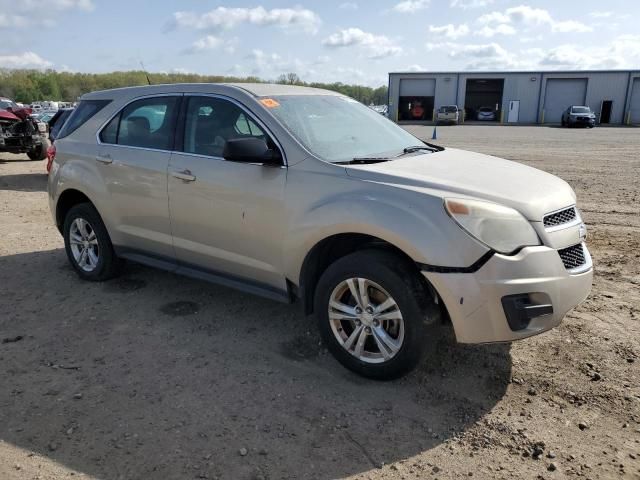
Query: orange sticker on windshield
[269, 103]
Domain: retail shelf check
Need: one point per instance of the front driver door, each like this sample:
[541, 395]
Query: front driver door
[227, 218]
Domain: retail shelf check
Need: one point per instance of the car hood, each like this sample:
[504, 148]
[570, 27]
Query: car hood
[530, 191]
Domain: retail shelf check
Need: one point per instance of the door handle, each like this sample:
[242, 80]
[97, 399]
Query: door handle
[106, 159]
[184, 175]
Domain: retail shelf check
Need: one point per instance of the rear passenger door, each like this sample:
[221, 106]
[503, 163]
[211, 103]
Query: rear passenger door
[135, 147]
[227, 218]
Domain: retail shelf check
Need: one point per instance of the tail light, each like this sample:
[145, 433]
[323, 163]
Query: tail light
[51, 155]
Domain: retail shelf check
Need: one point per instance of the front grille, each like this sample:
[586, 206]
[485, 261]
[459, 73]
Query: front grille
[572, 257]
[558, 218]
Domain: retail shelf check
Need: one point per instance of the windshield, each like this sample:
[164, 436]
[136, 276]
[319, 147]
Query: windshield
[580, 110]
[4, 104]
[337, 128]
[448, 109]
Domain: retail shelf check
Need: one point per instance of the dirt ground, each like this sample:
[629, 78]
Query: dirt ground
[154, 376]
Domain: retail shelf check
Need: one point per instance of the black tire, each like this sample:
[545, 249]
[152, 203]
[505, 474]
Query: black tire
[108, 264]
[400, 279]
[37, 153]
[562, 122]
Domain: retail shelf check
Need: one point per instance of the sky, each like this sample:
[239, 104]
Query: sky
[354, 41]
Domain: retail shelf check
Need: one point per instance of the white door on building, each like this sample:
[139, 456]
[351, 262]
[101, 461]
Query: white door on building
[514, 111]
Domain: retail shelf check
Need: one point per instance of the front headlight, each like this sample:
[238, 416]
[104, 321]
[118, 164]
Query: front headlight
[500, 228]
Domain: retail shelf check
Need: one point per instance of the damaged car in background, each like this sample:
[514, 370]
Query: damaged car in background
[19, 133]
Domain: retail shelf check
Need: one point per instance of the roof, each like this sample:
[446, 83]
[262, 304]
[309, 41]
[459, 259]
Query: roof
[509, 72]
[274, 89]
[255, 89]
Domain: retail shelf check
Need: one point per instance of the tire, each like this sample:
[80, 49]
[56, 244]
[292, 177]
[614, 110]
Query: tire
[100, 262]
[38, 153]
[562, 122]
[412, 334]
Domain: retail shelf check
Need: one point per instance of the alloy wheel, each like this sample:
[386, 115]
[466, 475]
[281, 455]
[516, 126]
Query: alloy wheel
[84, 244]
[366, 320]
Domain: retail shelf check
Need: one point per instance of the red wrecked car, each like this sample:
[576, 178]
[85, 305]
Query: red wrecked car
[19, 133]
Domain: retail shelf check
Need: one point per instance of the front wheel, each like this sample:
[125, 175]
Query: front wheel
[375, 315]
[37, 153]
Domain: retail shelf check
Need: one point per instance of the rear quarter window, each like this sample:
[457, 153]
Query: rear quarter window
[83, 112]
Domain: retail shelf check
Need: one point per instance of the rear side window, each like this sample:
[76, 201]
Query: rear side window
[146, 123]
[83, 112]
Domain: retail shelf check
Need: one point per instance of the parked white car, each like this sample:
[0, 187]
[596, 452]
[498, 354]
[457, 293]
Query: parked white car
[486, 114]
[448, 114]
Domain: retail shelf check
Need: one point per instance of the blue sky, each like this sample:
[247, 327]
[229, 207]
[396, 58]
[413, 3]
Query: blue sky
[354, 41]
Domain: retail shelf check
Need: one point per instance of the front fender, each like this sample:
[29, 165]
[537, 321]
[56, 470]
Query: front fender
[412, 221]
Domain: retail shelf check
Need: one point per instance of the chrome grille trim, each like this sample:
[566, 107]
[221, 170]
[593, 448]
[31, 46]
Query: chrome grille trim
[576, 258]
[563, 218]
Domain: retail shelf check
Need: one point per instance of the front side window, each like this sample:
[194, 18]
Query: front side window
[145, 123]
[210, 122]
[337, 128]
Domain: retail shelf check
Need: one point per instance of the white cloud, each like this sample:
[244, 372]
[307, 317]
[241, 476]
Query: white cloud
[348, 6]
[501, 29]
[411, 6]
[600, 14]
[24, 60]
[465, 4]
[528, 17]
[568, 26]
[210, 42]
[415, 68]
[47, 5]
[622, 52]
[42, 13]
[450, 30]
[377, 46]
[222, 18]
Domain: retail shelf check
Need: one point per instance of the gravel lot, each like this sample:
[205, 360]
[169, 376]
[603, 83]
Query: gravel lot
[154, 376]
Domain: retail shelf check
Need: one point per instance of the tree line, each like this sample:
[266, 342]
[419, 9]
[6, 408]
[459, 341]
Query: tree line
[28, 86]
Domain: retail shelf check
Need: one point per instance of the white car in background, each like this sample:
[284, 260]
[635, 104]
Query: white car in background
[486, 114]
[448, 114]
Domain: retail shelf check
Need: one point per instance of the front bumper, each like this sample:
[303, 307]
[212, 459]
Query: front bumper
[475, 300]
[582, 121]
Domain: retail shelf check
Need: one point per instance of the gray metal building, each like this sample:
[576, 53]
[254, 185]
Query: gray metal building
[516, 97]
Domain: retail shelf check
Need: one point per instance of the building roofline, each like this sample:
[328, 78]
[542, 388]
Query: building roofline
[507, 72]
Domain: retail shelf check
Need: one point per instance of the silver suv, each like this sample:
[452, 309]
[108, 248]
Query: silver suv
[303, 194]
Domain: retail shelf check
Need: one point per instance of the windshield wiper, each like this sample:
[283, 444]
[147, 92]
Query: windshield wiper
[426, 146]
[363, 160]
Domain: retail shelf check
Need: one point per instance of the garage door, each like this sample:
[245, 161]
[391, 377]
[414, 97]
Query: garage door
[562, 93]
[634, 107]
[418, 87]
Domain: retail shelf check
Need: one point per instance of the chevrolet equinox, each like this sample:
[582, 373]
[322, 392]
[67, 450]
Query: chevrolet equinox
[302, 194]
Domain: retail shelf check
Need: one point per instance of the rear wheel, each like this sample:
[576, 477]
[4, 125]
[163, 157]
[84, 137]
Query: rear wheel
[88, 245]
[375, 315]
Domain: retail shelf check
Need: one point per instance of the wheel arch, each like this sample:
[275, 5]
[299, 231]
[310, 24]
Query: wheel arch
[67, 200]
[334, 247]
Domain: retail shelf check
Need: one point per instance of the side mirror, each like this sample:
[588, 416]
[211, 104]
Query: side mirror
[250, 150]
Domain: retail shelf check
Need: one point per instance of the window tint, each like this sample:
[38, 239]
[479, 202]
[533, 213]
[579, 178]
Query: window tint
[210, 122]
[83, 112]
[109, 133]
[147, 123]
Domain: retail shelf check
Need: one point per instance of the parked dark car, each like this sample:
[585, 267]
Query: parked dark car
[578, 115]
